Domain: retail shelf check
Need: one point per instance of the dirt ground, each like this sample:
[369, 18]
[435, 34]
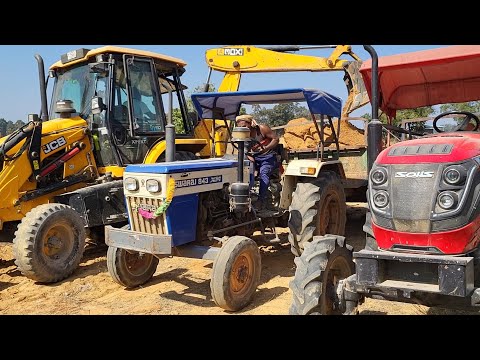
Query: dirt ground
[180, 286]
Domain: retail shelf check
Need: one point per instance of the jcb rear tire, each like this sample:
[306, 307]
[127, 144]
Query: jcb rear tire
[49, 243]
[325, 261]
[236, 273]
[318, 207]
[130, 269]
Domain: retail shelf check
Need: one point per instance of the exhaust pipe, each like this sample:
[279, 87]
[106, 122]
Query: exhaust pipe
[240, 191]
[374, 129]
[43, 88]
[170, 131]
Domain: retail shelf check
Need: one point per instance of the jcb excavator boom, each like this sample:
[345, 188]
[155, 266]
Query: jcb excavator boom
[238, 59]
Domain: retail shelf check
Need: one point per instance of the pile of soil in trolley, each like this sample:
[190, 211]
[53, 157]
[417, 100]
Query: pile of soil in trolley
[302, 134]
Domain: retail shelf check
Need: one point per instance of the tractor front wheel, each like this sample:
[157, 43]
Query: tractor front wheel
[236, 273]
[130, 268]
[317, 285]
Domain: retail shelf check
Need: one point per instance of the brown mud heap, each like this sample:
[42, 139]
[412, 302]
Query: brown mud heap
[302, 134]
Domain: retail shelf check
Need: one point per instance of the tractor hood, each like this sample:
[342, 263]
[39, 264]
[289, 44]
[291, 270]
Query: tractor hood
[441, 148]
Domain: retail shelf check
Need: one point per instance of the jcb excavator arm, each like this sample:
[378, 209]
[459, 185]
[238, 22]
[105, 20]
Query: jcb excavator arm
[238, 59]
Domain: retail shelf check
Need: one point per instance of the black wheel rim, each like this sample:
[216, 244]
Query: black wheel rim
[339, 269]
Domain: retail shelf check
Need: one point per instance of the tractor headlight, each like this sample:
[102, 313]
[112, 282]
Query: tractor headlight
[447, 200]
[130, 184]
[153, 186]
[381, 199]
[379, 176]
[308, 170]
[454, 175]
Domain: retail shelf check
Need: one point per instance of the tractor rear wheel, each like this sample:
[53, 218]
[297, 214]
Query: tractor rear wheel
[49, 243]
[236, 273]
[130, 268]
[318, 207]
[317, 281]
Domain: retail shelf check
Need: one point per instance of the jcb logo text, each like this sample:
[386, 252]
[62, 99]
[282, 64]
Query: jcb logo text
[54, 145]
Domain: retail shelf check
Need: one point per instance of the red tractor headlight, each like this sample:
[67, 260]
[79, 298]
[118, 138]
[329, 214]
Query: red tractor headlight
[447, 200]
[381, 199]
[454, 175]
[379, 176]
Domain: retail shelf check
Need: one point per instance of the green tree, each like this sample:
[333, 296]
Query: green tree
[280, 114]
[3, 127]
[177, 121]
[10, 127]
[472, 106]
[18, 124]
[407, 114]
[420, 112]
[177, 115]
[404, 115]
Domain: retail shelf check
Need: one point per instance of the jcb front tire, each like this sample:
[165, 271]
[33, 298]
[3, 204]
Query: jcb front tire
[49, 243]
[130, 269]
[324, 263]
[318, 207]
[236, 273]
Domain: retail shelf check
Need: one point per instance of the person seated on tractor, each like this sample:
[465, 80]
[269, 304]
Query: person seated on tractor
[261, 151]
[141, 112]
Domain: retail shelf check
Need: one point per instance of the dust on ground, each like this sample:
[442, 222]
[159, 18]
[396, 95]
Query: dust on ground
[180, 285]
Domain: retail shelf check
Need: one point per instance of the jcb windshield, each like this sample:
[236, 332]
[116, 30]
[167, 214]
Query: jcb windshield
[78, 85]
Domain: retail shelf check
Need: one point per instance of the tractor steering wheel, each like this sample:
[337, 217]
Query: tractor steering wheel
[255, 142]
[468, 117]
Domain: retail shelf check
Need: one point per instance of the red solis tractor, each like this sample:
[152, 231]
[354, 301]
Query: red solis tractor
[423, 225]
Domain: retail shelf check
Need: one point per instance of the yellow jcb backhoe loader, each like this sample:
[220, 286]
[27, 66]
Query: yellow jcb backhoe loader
[61, 173]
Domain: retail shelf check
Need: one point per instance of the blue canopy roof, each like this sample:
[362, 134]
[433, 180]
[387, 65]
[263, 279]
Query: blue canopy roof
[319, 102]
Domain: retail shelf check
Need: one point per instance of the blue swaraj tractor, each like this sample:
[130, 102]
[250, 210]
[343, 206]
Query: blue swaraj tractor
[203, 208]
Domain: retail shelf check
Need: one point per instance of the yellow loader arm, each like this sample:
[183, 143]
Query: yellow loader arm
[237, 59]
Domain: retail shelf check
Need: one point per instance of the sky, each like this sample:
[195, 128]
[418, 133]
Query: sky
[20, 94]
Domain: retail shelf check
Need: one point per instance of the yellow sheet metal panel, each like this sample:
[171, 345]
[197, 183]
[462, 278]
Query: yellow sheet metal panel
[246, 58]
[192, 145]
[116, 171]
[120, 50]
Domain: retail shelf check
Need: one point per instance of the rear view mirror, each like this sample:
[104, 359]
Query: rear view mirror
[97, 105]
[100, 68]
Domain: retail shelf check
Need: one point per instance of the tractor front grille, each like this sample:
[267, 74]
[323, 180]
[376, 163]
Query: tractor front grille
[138, 222]
[413, 198]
